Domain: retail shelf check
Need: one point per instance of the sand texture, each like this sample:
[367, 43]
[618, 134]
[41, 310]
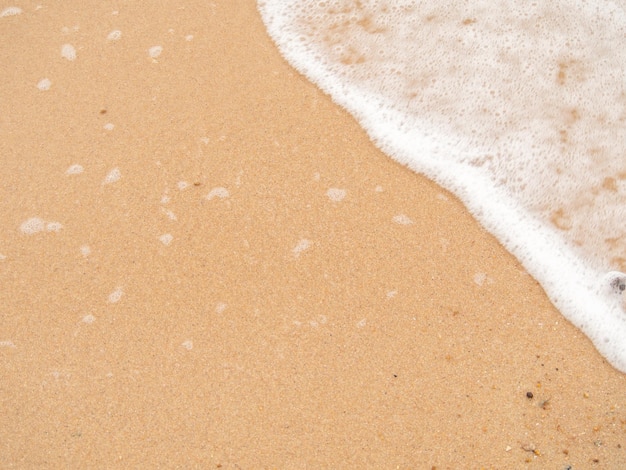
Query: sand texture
[235, 277]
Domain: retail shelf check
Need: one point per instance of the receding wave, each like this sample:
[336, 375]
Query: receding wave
[518, 108]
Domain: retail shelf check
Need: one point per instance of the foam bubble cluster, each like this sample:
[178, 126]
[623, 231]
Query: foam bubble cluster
[10, 11]
[35, 225]
[517, 107]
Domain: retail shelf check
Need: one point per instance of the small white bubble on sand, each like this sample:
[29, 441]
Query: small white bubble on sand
[10, 11]
[116, 295]
[115, 12]
[2, 257]
[188, 345]
[89, 319]
[165, 199]
[402, 219]
[166, 238]
[170, 215]
[336, 194]
[33, 225]
[113, 176]
[379, 189]
[316, 176]
[218, 192]
[361, 323]
[182, 185]
[85, 250]
[302, 245]
[189, 37]
[68, 52]
[155, 51]
[442, 197]
[53, 226]
[320, 320]
[482, 278]
[114, 35]
[220, 307]
[479, 278]
[44, 84]
[7, 343]
[74, 170]
[391, 294]
[109, 126]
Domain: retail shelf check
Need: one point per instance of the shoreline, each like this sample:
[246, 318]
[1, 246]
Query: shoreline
[315, 303]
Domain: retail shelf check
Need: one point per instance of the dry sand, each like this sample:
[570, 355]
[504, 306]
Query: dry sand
[325, 308]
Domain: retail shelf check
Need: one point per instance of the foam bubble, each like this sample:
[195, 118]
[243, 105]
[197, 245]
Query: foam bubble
[89, 319]
[166, 239]
[53, 226]
[10, 11]
[7, 343]
[170, 215]
[109, 126]
[44, 84]
[75, 169]
[116, 295]
[402, 219]
[155, 51]
[114, 175]
[301, 246]
[336, 194]
[32, 226]
[2, 257]
[218, 192]
[518, 111]
[68, 52]
[85, 250]
[220, 307]
[114, 35]
[188, 345]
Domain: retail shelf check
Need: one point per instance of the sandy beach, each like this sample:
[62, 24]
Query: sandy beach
[205, 263]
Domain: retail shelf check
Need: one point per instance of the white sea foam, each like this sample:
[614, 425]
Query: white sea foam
[114, 35]
[116, 295]
[402, 219]
[219, 192]
[68, 52]
[155, 51]
[75, 169]
[32, 226]
[301, 246]
[518, 108]
[166, 238]
[44, 84]
[36, 225]
[10, 11]
[336, 194]
[112, 176]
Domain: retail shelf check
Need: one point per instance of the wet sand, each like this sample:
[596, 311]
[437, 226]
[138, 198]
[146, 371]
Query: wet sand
[261, 287]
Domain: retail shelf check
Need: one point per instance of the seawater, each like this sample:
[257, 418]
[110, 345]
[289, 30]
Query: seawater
[519, 108]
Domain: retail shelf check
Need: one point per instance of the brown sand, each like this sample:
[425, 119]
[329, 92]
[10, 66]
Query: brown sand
[373, 346]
